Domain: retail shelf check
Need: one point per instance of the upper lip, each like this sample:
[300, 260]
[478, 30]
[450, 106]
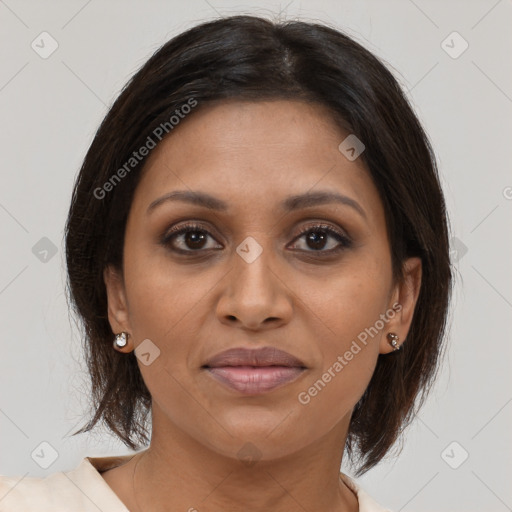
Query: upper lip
[265, 356]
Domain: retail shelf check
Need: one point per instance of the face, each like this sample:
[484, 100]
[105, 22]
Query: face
[270, 268]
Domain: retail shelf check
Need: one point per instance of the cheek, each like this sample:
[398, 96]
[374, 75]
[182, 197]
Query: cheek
[165, 308]
[352, 300]
[351, 311]
[163, 296]
[348, 354]
[170, 306]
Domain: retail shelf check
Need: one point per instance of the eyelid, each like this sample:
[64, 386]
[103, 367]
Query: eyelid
[321, 224]
[200, 225]
[190, 225]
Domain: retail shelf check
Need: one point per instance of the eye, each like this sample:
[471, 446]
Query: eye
[317, 239]
[194, 238]
[187, 238]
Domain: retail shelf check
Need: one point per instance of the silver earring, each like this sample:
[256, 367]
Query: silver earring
[393, 340]
[121, 340]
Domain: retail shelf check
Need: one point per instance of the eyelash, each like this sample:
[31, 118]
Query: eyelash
[345, 241]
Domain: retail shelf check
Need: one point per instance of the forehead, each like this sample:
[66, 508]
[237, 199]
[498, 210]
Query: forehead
[255, 151]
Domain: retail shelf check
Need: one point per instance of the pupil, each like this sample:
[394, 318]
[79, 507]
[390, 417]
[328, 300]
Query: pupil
[194, 238]
[318, 241]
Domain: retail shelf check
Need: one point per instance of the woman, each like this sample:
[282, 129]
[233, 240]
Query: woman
[257, 246]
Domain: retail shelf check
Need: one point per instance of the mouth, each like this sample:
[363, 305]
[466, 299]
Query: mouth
[256, 371]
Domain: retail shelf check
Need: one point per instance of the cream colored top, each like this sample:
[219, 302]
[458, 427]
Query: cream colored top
[83, 489]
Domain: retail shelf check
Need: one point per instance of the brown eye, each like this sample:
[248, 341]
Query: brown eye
[323, 238]
[194, 239]
[188, 238]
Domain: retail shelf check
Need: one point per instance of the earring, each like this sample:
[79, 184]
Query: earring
[393, 340]
[121, 340]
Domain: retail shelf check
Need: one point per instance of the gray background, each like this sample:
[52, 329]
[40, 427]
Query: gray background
[50, 110]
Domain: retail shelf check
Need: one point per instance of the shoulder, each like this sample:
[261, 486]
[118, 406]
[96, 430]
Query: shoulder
[366, 502]
[82, 489]
[29, 494]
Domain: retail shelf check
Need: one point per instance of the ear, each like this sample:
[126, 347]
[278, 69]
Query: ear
[403, 302]
[118, 316]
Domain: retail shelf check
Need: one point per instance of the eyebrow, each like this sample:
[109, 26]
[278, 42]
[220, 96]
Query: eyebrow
[290, 204]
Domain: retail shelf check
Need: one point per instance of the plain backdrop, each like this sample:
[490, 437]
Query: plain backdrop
[457, 453]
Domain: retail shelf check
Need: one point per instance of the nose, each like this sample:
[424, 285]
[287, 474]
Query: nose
[255, 296]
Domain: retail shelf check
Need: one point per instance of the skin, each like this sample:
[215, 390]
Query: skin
[252, 155]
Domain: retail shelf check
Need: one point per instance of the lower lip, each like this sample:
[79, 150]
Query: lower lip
[253, 380]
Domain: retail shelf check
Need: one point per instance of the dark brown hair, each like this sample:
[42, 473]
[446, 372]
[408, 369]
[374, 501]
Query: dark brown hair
[250, 58]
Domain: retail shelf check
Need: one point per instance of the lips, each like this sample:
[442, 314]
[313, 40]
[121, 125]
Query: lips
[265, 356]
[254, 371]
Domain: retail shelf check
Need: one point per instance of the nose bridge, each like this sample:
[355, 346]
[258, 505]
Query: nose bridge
[253, 292]
[252, 263]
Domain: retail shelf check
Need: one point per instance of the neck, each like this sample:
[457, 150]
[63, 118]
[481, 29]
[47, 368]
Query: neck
[179, 473]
